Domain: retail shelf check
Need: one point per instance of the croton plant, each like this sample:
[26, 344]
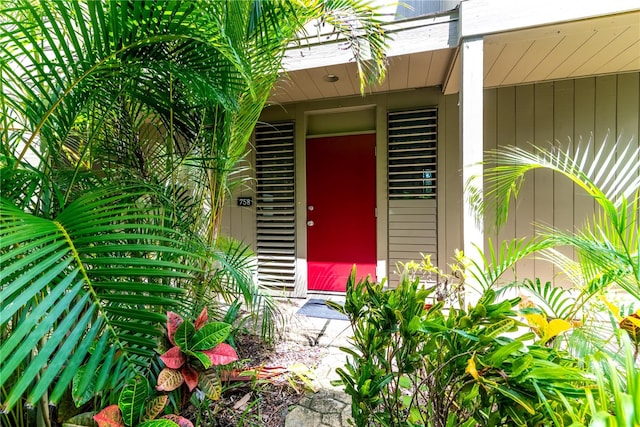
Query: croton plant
[196, 347]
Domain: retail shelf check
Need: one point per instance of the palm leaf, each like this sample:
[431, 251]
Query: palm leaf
[103, 266]
[607, 246]
[609, 179]
[62, 59]
[234, 277]
[493, 263]
[557, 302]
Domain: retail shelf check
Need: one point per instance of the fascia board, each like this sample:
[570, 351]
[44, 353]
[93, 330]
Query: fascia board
[406, 37]
[483, 17]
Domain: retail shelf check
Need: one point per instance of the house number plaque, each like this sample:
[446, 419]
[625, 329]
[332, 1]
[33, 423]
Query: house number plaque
[245, 201]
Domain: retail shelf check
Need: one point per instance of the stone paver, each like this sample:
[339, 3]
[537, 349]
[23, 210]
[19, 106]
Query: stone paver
[330, 406]
[326, 408]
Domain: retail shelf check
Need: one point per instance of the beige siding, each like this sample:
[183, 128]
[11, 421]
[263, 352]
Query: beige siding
[543, 113]
[561, 113]
[239, 222]
[450, 182]
[506, 131]
[524, 125]
[412, 231]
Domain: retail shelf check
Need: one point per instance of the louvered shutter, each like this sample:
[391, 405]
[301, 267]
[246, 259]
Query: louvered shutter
[275, 206]
[412, 178]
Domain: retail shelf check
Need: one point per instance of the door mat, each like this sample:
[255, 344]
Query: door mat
[317, 308]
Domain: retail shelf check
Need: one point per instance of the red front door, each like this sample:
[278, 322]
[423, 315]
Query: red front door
[341, 203]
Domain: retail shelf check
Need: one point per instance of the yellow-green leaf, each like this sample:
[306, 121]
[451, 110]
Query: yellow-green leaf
[132, 398]
[154, 407]
[169, 380]
[210, 385]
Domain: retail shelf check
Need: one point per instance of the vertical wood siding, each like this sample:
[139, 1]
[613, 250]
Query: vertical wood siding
[239, 222]
[561, 113]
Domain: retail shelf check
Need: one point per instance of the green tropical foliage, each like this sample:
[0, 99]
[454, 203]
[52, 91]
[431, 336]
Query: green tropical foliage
[606, 258]
[136, 407]
[607, 245]
[122, 125]
[88, 286]
[426, 365]
[196, 347]
[616, 401]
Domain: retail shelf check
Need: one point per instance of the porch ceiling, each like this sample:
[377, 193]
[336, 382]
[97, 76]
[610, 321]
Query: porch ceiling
[596, 46]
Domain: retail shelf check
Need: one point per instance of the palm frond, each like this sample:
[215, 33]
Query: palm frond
[235, 266]
[103, 267]
[607, 245]
[557, 302]
[489, 268]
[62, 59]
[606, 253]
[609, 180]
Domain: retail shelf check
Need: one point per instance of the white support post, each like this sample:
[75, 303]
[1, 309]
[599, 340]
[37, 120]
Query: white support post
[471, 135]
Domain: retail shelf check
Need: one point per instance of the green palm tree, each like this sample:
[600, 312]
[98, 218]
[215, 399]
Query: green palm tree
[122, 122]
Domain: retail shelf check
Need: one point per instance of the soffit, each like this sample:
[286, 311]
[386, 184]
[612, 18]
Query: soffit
[420, 53]
[596, 46]
[414, 70]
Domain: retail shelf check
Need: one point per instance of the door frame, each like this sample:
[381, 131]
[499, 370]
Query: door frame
[301, 136]
[360, 220]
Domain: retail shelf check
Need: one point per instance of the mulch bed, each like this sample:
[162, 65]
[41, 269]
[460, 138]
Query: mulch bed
[266, 402]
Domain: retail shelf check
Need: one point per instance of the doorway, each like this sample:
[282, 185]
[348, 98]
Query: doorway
[341, 210]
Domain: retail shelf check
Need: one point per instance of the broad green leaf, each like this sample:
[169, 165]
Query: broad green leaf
[555, 373]
[516, 397]
[465, 334]
[210, 335]
[497, 328]
[184, 336]
[202, 357]
[520, 364]
[404, 382]
[81, 420]
[515, 416]
[132, 399]
[497, 357]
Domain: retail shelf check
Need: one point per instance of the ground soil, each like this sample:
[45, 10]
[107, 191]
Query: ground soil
[263, 403]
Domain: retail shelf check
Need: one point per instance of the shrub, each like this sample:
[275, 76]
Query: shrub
[417, 365]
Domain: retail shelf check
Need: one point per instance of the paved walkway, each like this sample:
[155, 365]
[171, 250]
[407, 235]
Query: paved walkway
[329, 406]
